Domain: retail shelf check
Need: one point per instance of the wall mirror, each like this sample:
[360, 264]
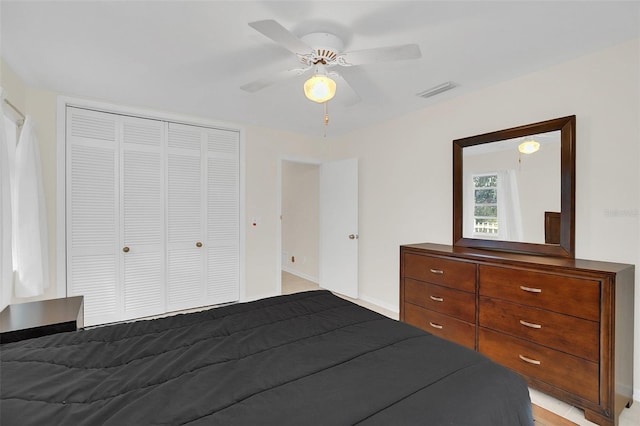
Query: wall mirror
[514, 189]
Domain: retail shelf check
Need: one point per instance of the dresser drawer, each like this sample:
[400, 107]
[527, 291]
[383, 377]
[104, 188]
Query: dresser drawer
[450, 273]
[441, 325]
[567, 295]
[445, 300]
[569, 334]
[558, 369]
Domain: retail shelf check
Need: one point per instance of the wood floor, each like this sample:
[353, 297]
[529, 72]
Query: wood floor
[542, 417]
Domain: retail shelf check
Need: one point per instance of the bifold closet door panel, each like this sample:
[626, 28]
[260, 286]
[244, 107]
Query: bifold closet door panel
[186, 243]
[222, 212]
[142, 217]
[93, 205]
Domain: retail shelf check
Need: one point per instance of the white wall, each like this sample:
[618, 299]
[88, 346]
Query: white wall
[300, 219]
[406, 164]
[265, 150]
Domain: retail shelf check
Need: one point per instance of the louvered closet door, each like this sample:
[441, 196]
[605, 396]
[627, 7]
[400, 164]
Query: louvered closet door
[142, 217]
[222, 212]
[152, 215]
[186, 240]
[92, 213]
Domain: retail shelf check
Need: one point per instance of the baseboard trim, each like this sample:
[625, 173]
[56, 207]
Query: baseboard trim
[383, 305]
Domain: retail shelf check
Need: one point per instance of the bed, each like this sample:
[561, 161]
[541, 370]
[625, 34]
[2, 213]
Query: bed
[301, 359]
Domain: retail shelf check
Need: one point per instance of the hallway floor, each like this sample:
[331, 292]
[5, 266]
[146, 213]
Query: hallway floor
[294, 284]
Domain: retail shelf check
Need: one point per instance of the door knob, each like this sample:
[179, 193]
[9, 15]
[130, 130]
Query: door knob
[125, 249]
[353, 236]
[198, 244]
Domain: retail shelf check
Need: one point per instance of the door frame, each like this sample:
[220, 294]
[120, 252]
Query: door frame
[61, 212]
[292, 159]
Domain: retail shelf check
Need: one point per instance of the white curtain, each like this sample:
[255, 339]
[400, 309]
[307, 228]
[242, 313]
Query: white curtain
[6, 264]
[509, 212]
[30, 219]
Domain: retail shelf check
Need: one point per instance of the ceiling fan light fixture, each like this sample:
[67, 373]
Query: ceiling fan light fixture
[320, 88]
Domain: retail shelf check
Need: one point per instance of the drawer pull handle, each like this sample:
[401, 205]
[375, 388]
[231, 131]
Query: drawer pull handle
[529, 360]
[436, 299]
[437, 271]
[434, 325]
[530, 324]
[531, 289]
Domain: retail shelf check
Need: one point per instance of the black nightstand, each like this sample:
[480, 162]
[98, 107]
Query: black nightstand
[34, 319]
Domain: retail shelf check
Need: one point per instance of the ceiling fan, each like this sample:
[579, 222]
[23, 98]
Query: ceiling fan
[319, 52]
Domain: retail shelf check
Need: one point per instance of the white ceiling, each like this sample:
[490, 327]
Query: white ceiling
[191, 57]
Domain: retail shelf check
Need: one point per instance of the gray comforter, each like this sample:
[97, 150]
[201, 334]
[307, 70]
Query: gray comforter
[303, 359]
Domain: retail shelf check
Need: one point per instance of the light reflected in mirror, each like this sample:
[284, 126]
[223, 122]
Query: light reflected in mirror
[511, 187]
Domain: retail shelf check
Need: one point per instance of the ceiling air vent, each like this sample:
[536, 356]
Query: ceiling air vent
[437, 89]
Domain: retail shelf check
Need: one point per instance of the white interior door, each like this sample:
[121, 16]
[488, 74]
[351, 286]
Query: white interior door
[339, 226]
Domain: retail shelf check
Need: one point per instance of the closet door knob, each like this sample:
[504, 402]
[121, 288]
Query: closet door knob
[198, 244]
[125, 249]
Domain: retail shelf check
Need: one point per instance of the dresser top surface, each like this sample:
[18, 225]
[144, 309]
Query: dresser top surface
[496, 256]
[40, 313]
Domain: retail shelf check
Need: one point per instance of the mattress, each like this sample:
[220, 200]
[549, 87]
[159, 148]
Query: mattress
[302, 359]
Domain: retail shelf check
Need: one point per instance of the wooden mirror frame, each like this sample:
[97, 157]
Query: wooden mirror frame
[566, 248]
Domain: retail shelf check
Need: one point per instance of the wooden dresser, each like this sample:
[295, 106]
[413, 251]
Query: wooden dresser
[565, 324]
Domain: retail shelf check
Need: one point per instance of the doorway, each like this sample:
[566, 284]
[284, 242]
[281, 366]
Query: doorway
[300, 226]
[319, 214]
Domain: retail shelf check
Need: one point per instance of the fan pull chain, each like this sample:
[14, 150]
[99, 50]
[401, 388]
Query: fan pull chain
[326, 118]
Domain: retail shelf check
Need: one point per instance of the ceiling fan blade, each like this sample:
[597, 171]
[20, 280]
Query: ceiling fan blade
[347, 95]
[363, 86]
[261, 83]
[276, 32]
[380, 54]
